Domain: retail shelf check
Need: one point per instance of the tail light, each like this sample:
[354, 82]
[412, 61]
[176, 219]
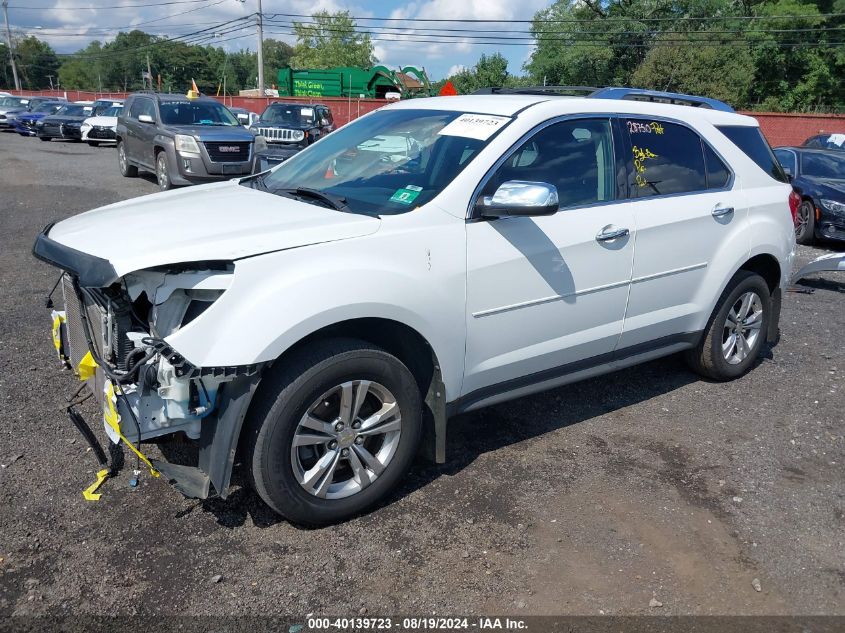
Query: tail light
[794, 203]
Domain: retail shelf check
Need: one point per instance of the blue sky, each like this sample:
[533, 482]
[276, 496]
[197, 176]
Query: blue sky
[68, 26]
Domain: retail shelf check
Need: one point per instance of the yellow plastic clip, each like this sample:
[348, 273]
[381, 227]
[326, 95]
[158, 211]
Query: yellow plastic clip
[87, 367]
[58, 320]
[112, 418]
[90, 493]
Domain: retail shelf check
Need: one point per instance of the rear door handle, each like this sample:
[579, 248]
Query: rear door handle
[720, 212]
[608, 234]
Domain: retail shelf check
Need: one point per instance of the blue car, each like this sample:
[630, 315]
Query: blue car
[24, 123]
[818, 175]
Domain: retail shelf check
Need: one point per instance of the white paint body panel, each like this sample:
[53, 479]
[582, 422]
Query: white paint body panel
[495, 300]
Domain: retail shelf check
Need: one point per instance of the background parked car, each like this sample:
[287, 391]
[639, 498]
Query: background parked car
[826, 141]
[26, 105]
[182, 140]
[244, 116]
[11, 105]
[819, 178]
[101, 105]
[64, 124]
[25, 121]
[102, 127]
[289, 128]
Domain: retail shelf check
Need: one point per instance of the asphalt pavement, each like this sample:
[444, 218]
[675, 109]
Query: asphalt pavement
[648, 491]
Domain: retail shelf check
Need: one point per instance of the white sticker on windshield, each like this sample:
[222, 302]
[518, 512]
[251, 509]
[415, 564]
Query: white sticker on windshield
[478, 126]
[837, 139]
[306, 111]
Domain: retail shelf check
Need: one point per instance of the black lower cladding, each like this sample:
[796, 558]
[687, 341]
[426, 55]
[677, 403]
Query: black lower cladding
[91, 271]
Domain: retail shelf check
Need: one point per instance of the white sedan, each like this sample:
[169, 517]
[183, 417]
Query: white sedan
[101, 128]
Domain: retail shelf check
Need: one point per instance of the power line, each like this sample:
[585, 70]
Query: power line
[579, 20]
[117, 6]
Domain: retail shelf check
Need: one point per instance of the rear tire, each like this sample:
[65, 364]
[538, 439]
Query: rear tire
[736, 330]
[805, 231]
[126, 170]
[44, 138]
[94, 143]
[314, 460]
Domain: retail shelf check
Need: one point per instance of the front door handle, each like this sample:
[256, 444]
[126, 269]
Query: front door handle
[720, 212]
[609, 233]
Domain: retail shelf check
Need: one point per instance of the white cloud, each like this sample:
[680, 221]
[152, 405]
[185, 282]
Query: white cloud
[455, 69]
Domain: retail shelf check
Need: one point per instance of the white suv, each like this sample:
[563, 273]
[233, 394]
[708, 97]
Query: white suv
[315, 320]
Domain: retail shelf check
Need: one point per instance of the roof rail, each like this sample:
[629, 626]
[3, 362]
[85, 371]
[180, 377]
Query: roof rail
[639, 94]
[537, 90]
[629, 94]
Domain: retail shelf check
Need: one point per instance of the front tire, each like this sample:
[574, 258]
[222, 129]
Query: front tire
[736, 331]
[805, 229]
[45, 138]
[126, 170]
[332, 431]
[93, 143]
[163, 172]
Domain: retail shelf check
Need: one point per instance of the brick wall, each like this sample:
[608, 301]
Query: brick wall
[778, 128]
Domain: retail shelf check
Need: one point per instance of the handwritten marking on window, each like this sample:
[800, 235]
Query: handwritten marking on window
[635, 127]
[641, 155]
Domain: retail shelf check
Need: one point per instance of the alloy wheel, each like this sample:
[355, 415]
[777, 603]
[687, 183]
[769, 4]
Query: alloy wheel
[161, 172]
[346, 439]
[802, 220]
[742, 327]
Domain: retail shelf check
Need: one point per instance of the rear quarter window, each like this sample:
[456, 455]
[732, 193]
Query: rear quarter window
[750, 140]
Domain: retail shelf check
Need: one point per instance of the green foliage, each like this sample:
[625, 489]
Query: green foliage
[36, 61]
[748, 63]
[490, 70]
[331, 40]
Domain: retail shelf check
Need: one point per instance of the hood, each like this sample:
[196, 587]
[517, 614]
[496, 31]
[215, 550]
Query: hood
[220, 221]
[31, 116]
[64, 119]
[107, 121]
[227, 133]
[285, 126]
[835, 187]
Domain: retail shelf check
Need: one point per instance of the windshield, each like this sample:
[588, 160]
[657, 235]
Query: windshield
[11, 102]
[112, 111]
[388, 162]
[195, 113]
[73, 110]
[285, 113]
[47, 107]
[819, 165]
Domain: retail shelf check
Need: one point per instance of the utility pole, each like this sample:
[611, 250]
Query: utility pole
[12, 46]
[260, 50]
[50, 77]
[150, 73]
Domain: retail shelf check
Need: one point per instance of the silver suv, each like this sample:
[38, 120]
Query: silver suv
[183, 141]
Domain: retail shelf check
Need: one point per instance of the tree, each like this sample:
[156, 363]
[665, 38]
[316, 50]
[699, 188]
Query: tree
[698, 66]
[277, 55]
[37, 61]
[490, 71]
[331, 40]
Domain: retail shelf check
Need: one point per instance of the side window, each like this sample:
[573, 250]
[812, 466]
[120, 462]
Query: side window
[575, 156]
[718, 174]
[135, 109]
[328, 114]
[787, 160]
[148, 108]
[666, 158]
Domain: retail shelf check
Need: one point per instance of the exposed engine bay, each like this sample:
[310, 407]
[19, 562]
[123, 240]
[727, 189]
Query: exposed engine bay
[114, 339]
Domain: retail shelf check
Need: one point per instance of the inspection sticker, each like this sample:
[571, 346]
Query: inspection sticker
[478, 126]
[406, 195]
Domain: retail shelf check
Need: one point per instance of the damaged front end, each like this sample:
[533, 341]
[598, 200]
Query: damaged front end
[113, 334]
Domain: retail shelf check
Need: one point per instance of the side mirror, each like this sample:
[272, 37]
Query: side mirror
[146, 118]
[516, 198]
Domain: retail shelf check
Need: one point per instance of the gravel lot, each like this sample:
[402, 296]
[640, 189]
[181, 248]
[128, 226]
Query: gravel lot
[600, 497]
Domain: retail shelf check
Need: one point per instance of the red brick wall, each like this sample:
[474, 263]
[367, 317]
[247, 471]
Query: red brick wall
[794, 129]
[778, 128]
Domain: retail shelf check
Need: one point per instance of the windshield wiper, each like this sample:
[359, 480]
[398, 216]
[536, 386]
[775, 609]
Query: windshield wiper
[337, 203]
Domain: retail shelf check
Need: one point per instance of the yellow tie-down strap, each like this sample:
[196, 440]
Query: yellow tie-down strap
[112, 418]
[90, 493]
